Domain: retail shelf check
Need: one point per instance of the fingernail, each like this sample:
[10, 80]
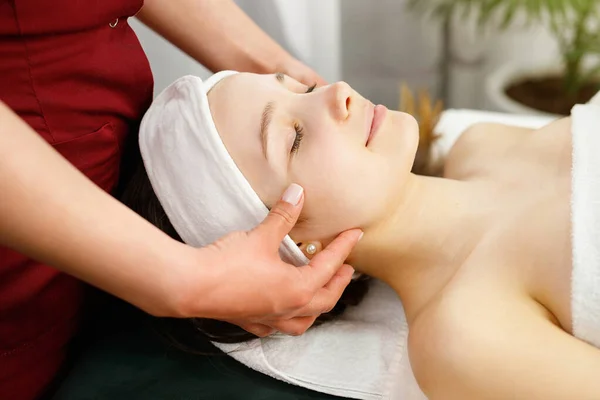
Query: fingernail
[361, 236]
[293, 194]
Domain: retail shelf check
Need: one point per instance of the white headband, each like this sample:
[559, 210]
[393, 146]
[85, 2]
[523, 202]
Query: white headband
[202, 191]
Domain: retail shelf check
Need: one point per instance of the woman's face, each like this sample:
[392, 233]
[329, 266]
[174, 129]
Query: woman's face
[278, 131]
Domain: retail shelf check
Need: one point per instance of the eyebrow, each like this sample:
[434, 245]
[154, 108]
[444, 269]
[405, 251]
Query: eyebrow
[267, 117]
[265, 121]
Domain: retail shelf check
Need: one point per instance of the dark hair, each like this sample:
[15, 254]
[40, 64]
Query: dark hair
[140, 197]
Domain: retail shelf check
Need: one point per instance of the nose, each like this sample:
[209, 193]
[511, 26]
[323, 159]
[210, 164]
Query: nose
[340, 99]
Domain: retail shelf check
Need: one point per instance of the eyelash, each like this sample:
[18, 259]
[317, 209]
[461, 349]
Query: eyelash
[299, 136]
[299, 130]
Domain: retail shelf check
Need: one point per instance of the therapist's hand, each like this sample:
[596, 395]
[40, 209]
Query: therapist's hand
[258, 291]
[301, 72]
[219, 35]
[85, 232]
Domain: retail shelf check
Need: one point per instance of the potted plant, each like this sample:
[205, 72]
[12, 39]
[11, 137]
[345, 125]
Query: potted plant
[575, 25]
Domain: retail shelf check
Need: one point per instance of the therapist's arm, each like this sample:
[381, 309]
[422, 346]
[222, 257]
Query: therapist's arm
[51, 212]
[219, 35]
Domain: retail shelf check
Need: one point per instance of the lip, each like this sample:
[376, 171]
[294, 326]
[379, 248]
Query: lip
[375, 117]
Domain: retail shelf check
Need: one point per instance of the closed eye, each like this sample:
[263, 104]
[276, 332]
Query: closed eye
[299, 129]
[298, 139]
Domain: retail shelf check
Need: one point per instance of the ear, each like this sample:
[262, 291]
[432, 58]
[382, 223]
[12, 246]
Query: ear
[303, 246]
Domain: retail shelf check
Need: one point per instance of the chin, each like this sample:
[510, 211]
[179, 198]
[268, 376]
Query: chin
[404, 124]
[409, 123]
[406, 132]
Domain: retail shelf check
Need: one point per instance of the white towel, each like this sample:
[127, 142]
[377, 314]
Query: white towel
[585, 212]
[350, 357]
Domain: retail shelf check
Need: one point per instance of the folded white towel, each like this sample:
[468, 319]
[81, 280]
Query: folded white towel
[349, 357]
[585, 212]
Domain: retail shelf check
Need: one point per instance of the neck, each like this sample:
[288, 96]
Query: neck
[425, 238]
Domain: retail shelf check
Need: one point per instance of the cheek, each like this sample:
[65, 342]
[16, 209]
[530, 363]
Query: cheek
[344, 186]
[267, 181]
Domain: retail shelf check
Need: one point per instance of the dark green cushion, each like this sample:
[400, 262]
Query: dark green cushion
[136, 363]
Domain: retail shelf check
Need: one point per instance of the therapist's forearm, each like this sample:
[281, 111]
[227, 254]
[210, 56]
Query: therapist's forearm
[53, 213]
[217, 33]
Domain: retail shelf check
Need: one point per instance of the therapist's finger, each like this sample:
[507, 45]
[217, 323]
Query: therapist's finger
[295, 326]
[259, 330]
[282, 217]
[321, 81]
[328, 296]
[323, 266]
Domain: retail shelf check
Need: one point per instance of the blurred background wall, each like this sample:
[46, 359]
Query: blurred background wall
[374, 45]
[309, 29]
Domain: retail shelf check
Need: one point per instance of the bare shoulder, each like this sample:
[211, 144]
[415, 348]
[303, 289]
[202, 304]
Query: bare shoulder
[446, 339]
[490, 350]
[479, 149]
[481, 142]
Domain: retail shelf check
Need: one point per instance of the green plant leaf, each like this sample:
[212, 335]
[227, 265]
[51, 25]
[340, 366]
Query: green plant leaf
[575, 24]
[511, 9]
[487, 12]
